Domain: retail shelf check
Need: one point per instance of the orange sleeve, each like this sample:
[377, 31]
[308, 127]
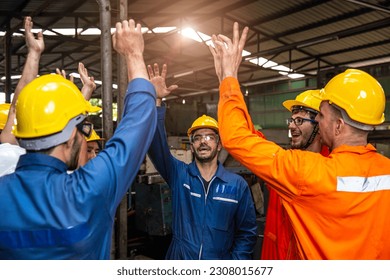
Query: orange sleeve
[277, 166]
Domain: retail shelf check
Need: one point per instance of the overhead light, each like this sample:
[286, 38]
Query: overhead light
[269, 64]
[191, 33]
[295, 76]
[183, 74]
[258, 60]
[13, 77]
[281, 68]
[77, 76]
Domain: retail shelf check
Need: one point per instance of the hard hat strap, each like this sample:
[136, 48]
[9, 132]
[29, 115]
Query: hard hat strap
[316, 128]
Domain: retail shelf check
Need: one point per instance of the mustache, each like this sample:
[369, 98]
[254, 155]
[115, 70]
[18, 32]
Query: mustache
[203, 146]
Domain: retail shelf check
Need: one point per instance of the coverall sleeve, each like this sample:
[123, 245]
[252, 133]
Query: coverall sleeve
[159, 151]
[284, 169]
[114, 169]
[246, 233]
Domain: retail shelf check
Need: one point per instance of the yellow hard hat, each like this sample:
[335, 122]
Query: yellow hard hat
[359, 94]
[308, 99]
[94, 137]
[47, 106]
[4, 109]
[203, 122]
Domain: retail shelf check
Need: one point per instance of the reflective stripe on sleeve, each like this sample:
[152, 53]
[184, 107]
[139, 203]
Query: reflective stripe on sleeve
[363, 184]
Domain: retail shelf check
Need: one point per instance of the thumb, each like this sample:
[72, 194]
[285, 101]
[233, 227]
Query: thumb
[172, 87]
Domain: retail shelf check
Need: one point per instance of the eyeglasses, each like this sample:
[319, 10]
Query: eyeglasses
[206, 137]
[85, 128]
[298, 121]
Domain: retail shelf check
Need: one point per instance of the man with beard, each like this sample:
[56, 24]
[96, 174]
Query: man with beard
[338, 205]
[48, 213]
[279, 241]
[213, 212]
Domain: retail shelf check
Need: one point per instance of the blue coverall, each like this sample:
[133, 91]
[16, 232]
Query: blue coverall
[49, 214]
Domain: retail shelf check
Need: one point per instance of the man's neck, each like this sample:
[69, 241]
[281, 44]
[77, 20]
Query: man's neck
[207, 169]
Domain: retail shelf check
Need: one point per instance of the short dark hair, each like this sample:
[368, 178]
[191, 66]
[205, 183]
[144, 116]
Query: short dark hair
[312, 113]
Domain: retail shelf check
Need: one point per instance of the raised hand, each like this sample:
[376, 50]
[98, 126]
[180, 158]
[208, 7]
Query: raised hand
[129, 42]
[227, 53]
[89, 85]
[33, 44]
[159, 80]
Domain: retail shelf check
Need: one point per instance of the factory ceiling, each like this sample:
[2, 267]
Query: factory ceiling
[300, 37]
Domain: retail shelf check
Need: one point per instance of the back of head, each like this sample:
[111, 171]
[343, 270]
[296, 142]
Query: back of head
[359, 95]
[306, 100]
[4, 109]
[203, 122]
[47, 111]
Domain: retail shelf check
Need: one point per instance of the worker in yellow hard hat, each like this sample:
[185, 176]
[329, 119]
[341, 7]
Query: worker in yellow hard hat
[278, 241]
[213, 212]
[338, 205]
[304, 109]
[4, 109]
[94, 144]
[48, 213]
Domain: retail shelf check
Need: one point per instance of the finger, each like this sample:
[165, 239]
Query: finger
[130, 24]
[172, 88]
[81, 67]
[27, 24]
[219, 45]
[156, 70]
[150, 71]
[58, 71]
[139, 28]
[224, 40]
[40, 35]
[125, 24]
[118, 27]
[164, 71]
[63, 73]
[236, 33]
[71, 78]
[212, 50]
[114, 40]
[242, 41]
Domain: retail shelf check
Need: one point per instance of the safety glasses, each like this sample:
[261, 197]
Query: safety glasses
[298, 121]
[85, 128]
[195, 139]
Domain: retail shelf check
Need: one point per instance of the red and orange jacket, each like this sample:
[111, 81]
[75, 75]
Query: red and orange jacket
[338, 205]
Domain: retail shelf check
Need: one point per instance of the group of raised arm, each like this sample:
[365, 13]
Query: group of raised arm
[324, 206]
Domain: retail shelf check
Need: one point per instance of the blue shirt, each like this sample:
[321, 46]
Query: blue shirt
[217, 224]
[49, 214]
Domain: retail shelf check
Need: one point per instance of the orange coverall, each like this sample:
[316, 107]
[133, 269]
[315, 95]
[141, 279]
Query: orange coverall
[338, 205]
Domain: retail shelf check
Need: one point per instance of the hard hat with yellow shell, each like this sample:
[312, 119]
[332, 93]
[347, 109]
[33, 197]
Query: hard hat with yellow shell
[47, 111]
[203, 122]
[359, 95]
[4, 109]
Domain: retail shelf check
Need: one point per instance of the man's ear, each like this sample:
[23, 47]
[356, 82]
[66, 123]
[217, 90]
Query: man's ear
[219, 145]
[339, 126]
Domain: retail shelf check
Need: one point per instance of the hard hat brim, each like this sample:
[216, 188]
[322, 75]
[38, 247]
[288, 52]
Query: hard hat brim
[288, 104]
